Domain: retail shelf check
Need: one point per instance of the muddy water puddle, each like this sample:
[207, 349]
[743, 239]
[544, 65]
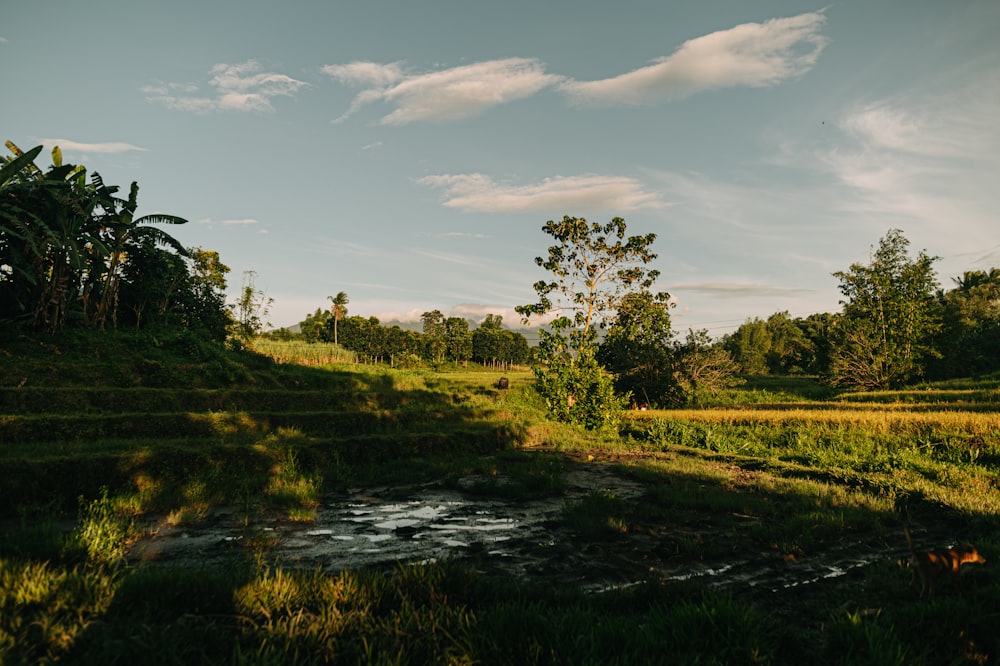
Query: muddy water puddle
[383, 527]
[370, 528]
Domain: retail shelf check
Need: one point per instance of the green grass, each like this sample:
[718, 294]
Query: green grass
[413, 615]
[99, 432]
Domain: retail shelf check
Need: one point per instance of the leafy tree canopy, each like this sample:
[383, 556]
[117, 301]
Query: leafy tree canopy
[593, 268]
[890, 317]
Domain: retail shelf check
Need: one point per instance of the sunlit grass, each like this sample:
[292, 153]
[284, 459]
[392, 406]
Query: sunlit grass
[784, 467]
[898, 419]
[303, 353]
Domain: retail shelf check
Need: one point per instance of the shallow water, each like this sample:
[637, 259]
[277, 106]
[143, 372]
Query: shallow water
[367, 528]
[385, 526]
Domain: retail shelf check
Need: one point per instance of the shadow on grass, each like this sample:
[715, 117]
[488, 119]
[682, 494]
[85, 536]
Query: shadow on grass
[696, 510]
[176, 446]
[695, 513]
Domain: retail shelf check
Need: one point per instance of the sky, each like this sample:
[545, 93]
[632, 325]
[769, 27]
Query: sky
[409, 153]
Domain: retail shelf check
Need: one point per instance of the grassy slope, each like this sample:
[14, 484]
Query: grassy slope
[168, 416]
[174, 426]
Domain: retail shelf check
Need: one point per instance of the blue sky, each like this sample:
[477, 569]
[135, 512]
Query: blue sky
[408, 153]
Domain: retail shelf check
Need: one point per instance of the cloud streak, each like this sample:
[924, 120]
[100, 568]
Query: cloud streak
[749, 55]
[735, 290]
[449, 94]
[103, 148]
[926, 160]
[243, 87]
[754, 55]
[480, 193]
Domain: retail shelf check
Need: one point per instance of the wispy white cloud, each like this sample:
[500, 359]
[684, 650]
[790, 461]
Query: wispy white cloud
[448, 257]
[940, 129]
[240, 87]
[364, 74]
[240, 221]
[109, 147]
[737, 290]
[460, 234]
[749, 55]
[479, 193]
[448, 94]
[923, 161]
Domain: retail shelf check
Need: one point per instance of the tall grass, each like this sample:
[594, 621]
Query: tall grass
[304, 353]
[104, 530]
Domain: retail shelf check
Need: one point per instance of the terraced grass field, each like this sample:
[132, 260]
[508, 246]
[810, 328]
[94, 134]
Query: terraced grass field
[766, 528]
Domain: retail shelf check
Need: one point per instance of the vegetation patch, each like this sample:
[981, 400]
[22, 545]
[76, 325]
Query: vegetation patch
[719, 524]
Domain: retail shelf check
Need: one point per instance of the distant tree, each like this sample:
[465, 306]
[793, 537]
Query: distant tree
[638, 349]
[704, 367]
[206, 302]
[251, 311]
[778, 345]
[593, 267]
[402, 347]
[458, 339]
[435, 335]
[791, 351]
[314, 326]
[516, 350]
[487, 345]
[282, 334]
[749, 345]
[890, 318]
[492, 322]
[493, 345]
[364, 336]
[817, 330]
[338, 310]
[969, 339]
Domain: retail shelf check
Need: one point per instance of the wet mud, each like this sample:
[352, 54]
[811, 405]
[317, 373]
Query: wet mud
[527, 539]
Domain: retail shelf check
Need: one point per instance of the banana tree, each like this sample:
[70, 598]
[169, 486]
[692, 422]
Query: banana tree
[46, 232]
[18, 246]
[63, 241]
[121, 232]
[73, 241]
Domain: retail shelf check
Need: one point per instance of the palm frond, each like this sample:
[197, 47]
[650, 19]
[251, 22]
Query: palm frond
[15, 166]
[160, 237]
[160, 218]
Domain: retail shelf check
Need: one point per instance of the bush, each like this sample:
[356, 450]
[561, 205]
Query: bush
[577, 391]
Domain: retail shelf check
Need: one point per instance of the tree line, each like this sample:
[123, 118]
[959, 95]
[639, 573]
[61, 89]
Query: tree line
[897, 326]
[611, 342]
[74, 253]
[441, 340]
